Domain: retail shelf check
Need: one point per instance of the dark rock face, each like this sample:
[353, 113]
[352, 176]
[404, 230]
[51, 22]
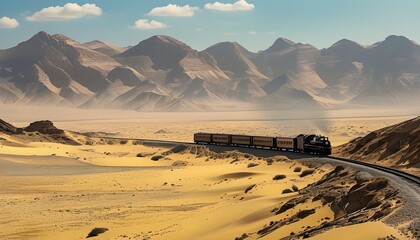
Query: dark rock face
[397, 146]
[45, 127]
[354, 197]
[9, 128]
[365, 195]
[304, 213]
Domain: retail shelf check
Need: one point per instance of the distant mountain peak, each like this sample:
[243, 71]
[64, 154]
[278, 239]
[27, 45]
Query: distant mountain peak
[64, 38]
[396, 40]
[344, 47]
[43, 36]
[167, 39]
[230, 46]
[345, 42]
[281, 44]
[158, 43]
[95, 42]
[46, 38]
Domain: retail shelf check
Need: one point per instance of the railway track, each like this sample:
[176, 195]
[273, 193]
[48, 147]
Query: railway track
[401, 174]
[395, 172]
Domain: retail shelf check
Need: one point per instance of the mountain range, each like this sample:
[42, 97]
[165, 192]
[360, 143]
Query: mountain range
[164, 74]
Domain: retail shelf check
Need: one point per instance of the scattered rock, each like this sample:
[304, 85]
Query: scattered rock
[279, 177]
[287, 190]
[156, 158]
[161, 131]
[180, 163]
[96, 231]
[250, 188]
[290, 204]
[304, 213]
[178, 148]
[362, 177]
[250, 165]
[307, 172]
[244, 236]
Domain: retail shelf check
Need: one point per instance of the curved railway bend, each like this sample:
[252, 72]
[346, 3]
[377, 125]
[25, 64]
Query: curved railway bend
[407, 184]
[264, 152]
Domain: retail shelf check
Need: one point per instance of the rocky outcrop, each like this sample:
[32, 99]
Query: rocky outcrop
[39, 131]
[45, 127]
[396, 146]
[8, 128]
[354, 197]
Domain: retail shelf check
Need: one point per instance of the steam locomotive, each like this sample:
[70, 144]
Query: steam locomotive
[313, 144]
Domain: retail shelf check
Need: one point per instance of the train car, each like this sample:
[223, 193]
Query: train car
[300, 143]
[202, 138]
[313, 144]
[221, 139]
[288, 143]
[242, 140]
[259, 141]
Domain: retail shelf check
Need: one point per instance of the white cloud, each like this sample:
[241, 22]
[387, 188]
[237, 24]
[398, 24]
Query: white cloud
[240, 5]
[6, 22]
[252, 33]
[67, 12]
[173, 10]
[145, 24]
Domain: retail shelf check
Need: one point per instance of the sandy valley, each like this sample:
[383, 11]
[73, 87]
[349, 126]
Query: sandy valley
[63, 187]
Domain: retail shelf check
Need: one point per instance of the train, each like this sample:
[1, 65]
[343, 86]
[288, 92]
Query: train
[306, 143]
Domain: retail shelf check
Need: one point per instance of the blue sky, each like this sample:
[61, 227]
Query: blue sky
[256, 26]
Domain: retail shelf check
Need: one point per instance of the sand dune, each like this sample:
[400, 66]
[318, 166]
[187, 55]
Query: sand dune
[144, 190]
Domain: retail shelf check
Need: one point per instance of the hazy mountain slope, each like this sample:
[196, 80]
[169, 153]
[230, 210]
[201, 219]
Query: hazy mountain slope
[341, 70]
[104, 48]
[233, 59]
[282, 95]
[175, 58]
[296, 61]
[397, 146]
[186, 73]
[103, 98]
[163, 74]
[392, 70]
[126, 75]
[385, 73]
[55, 70]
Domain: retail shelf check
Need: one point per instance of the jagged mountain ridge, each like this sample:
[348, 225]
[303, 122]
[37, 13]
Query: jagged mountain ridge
[165, 74]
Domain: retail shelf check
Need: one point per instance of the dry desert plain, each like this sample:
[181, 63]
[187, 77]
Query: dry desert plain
[58, 191]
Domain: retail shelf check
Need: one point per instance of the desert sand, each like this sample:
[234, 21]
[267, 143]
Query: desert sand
[59, 191]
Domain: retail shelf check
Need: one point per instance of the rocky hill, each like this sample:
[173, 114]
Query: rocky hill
[8, 128]
[164, 74]
[397, 146]
[39, 131]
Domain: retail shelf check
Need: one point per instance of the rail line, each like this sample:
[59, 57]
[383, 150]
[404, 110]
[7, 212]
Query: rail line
[395, 172]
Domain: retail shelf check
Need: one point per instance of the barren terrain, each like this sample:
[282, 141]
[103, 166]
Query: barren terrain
[62, 184]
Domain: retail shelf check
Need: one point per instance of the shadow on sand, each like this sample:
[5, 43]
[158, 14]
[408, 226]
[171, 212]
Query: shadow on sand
[260, 152]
